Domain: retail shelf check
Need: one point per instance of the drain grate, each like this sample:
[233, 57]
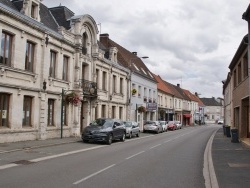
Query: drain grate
[23, 162]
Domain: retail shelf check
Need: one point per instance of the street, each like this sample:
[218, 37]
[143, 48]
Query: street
[170, 159]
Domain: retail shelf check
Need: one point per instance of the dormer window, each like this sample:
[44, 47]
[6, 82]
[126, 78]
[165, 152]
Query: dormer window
[34, 11]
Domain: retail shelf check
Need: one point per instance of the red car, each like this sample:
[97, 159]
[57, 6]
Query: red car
[172, 125]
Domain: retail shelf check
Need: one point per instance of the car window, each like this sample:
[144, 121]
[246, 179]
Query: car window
[171, 122]
[150, 122]
[103, 123]
[128, 123]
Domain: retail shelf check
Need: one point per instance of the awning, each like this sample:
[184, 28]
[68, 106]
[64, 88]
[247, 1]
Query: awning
[187, 115]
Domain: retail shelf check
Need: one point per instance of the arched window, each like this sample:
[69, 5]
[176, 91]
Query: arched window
[84, 44]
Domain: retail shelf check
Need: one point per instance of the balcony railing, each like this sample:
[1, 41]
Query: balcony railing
[89, 88]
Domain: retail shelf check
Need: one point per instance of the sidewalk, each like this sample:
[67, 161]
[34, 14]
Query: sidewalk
[231, 162]
[16, 146]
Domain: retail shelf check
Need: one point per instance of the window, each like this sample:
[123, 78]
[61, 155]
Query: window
[104, 78]
[120, 113]
[27, 103]
[84, 44]
[33, 12]
[6, 45]
[52, 64]
[245, 66]
[103, 110]
[235, 79]
[51, 112]
[65, 68]
[114, 84]
[4, 109]
[29, 57]
[97, 78]
[239, 73]
[113, 112]
[121, 85]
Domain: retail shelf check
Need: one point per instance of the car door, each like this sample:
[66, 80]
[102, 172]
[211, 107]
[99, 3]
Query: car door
[116, 129]
[135, 128]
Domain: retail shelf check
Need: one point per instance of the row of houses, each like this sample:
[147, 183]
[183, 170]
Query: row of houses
[56, 76]
[236, 88]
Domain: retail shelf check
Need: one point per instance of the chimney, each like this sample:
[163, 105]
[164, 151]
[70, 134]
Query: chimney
[104, 39]
[196, 94]
[135, 53]
[178, 85]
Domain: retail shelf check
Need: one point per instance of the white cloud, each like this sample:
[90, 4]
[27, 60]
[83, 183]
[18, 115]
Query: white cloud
[189, 42]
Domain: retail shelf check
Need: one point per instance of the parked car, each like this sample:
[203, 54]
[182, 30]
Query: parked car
[172, 125]
[132, 129]
[152, 126]
[221, 121]
[104, 130]
[178, 124]
[164, 125]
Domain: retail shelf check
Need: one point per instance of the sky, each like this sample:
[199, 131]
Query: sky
[188, 42]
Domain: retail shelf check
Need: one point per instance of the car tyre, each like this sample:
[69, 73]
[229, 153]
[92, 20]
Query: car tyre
[110, 139]
[85, 141]
[130, 135]
[138, 135]
[123, 137]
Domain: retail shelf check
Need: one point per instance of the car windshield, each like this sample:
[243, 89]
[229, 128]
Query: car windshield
[128, 124]
[150, 122]
[103, 122]
[162, 123]
[171, 122]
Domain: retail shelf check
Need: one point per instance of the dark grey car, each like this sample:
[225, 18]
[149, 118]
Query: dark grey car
[104, 130]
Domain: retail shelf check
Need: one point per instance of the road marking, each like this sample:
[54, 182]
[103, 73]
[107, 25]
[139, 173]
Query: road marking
[168, 141]
[155, 146]
[64, 154]
[8, 166]
[94, 174]
[135, 155]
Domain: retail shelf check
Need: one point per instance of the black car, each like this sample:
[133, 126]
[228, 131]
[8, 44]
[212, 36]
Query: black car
[104, 130]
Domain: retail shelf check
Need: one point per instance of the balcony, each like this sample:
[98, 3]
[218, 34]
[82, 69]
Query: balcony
[89, 88]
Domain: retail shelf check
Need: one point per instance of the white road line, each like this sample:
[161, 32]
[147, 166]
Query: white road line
[64, 154]
[8, 166]
[167, 141]
[155, 146]
[91, 175]
[135, 155]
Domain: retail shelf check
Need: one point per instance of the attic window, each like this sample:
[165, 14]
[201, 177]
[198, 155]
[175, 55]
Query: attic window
[143, 71]
[34, 10]
[136, 67]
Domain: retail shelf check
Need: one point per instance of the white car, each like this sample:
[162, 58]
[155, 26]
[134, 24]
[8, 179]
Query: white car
[132, 129]
[164, 125]
[179, 125]
[221, 121]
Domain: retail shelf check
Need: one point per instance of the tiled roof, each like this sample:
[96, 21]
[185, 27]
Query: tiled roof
[173, 89]
[127, 58]
[162, 86]
[182, 93]
[210, 102]
[190, 95]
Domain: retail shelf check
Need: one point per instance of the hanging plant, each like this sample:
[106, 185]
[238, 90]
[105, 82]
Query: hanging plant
[134, 91]
[141, 109]
[73, 98]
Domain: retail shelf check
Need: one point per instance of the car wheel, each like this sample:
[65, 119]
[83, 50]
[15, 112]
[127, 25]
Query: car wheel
[85, 141]
[130, 135]
[110, 139]
[157, 132]
[138, 134]
[123, 137]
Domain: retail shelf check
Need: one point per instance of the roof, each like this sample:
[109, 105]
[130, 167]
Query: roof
[210, 102]
[181, 92]
[127, 58]
[161, 85]
[9, 4]
[173, 89]
[191, 96]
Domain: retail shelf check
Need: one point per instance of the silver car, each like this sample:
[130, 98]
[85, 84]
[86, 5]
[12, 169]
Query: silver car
[164, 125]
[152, 126]
[132, 129]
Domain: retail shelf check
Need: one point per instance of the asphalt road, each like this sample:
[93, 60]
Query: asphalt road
[171, 159]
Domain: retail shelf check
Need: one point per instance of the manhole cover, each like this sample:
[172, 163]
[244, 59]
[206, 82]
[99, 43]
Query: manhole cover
[23, 162]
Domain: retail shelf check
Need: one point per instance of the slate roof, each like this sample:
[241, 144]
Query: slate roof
[173, 89]
[127, 58]
[50, 17]
[182, 93]
[210, 102]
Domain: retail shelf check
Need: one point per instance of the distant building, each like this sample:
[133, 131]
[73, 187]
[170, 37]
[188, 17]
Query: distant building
[213, 110]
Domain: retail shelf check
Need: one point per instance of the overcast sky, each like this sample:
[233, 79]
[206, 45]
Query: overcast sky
[190, 42]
